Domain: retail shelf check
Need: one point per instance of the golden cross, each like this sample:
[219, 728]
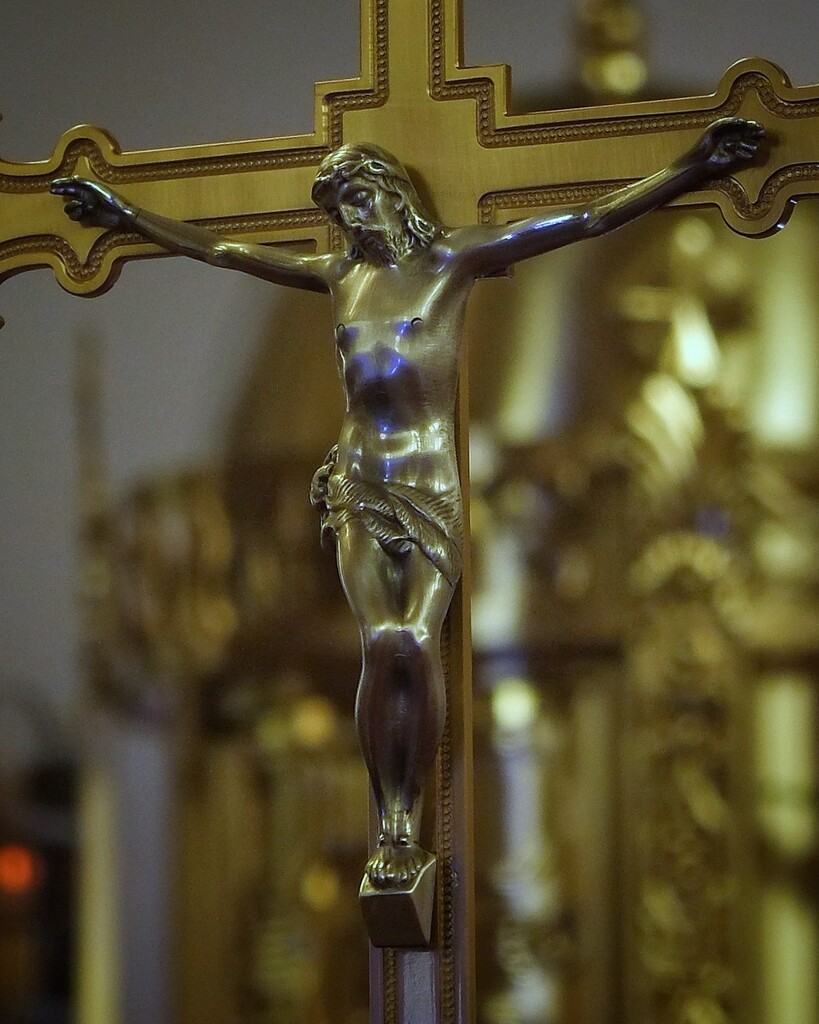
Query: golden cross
[473, 162]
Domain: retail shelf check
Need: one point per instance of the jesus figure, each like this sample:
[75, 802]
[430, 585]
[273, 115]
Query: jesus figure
[388, 493]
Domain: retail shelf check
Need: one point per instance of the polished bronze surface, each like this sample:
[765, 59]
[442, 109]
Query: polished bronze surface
[389, 492]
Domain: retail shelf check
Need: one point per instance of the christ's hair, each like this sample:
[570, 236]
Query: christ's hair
[362, 161]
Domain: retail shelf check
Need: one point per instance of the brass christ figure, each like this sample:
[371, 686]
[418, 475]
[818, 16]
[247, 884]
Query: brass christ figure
[389, 493]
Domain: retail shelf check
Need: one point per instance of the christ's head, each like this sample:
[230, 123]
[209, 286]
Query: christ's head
[369, 194]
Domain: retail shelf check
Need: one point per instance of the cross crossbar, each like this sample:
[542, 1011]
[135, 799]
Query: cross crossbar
[450, 126]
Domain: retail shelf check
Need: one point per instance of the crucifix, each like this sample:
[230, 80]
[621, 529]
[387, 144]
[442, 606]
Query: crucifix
[389, 493]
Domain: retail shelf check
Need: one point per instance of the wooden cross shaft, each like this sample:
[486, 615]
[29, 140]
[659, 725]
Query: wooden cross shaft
[450, 127]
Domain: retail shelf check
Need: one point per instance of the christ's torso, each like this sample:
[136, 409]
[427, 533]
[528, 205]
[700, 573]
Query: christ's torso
[397, 332]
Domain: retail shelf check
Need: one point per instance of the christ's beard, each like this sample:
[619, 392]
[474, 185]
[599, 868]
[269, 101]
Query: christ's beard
[382, 246]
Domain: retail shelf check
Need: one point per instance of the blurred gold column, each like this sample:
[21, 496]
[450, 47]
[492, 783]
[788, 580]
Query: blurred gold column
[99, 957]
[98, 948]
[786, 777]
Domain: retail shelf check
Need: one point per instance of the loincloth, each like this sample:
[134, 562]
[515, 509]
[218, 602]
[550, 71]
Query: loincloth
[398, 516]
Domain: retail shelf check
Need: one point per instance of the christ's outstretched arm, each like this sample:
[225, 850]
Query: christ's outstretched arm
[725, 145]
[98, 206]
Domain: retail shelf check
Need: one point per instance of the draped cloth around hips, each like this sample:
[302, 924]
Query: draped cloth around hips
[398, 516]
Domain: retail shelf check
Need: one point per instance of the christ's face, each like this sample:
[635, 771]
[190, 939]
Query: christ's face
[364, 210]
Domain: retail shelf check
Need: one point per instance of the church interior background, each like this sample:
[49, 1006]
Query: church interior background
[178, 667]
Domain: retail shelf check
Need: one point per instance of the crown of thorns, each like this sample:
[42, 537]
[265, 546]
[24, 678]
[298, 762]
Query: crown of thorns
[357, 160]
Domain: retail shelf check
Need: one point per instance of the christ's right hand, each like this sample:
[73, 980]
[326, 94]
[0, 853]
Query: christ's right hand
[93, 204]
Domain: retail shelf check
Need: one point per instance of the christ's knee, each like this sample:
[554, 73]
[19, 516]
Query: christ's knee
[404, 641]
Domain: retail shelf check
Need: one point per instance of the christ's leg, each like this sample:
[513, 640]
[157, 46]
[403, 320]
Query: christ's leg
[400, 602]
